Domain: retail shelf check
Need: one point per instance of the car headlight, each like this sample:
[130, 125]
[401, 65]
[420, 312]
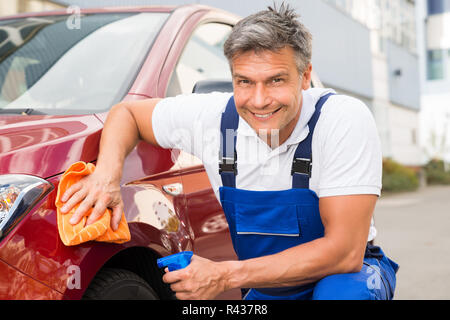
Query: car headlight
[18, 195]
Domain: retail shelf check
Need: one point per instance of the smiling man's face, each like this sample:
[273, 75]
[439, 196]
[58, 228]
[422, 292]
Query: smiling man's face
[268, 91]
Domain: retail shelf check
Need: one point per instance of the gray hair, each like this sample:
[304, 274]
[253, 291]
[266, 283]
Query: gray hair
[271, 29]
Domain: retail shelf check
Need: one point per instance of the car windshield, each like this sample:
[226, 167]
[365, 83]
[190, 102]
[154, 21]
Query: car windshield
[58, 65]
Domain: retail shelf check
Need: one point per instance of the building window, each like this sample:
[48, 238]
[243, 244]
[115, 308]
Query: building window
[438, 6]
[435, 59]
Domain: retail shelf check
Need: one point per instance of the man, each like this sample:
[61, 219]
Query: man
[299, 232]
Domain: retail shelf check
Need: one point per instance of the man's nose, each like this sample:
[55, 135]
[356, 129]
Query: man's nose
[260, 96]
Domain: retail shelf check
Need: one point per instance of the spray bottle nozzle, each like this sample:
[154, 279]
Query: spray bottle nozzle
[176, 261]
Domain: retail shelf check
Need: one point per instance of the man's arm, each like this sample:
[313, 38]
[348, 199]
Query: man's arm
[127, 122]
[346, 220]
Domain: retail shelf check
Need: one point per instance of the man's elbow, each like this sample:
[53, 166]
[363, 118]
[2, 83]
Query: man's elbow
[348, 260]
[355, 267]
[353, 262]
[118, 108]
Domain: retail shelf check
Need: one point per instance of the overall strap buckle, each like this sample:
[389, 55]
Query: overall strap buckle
[302, 166]
[227, 164]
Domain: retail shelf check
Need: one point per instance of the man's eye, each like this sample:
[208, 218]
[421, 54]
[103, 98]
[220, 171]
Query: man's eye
[243, 81]
[277, 80]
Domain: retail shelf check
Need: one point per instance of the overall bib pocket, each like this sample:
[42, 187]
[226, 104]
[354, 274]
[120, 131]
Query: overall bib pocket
[263, 229]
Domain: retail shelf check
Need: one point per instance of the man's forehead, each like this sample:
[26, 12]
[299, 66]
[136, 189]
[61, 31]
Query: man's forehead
[266, 70]
[279, 61]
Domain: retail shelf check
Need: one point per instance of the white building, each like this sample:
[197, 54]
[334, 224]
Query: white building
[395, 97]
[434, 31]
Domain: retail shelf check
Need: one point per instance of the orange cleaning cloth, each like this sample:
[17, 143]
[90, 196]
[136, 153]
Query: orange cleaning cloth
[100, 230]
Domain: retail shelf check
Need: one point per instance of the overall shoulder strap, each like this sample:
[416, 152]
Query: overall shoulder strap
[302, 163]
[227, 151]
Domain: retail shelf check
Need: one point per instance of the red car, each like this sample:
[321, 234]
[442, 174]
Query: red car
[60, 72]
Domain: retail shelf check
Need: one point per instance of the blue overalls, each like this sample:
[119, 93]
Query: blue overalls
[267, 222]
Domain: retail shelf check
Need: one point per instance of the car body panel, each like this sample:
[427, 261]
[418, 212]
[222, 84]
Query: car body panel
[35, 249]
[46, 145]
[16, 285]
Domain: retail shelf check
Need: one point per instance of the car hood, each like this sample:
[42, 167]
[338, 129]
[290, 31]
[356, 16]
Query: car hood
[44, 146]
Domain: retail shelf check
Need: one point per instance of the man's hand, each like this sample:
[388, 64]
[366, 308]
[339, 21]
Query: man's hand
[203, 279]
[95, 191]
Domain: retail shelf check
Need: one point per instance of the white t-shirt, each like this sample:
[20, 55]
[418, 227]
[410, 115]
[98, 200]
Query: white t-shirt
[346, 149]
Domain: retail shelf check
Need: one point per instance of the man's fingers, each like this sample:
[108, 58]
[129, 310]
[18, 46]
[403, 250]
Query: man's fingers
[97, 212]
[93, 196]
[174, 276]
[69, 192]
[82, 210]
[181, 286]
[75, 198]
[116, 217]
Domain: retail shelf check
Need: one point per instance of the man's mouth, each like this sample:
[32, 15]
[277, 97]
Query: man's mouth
[265, 116]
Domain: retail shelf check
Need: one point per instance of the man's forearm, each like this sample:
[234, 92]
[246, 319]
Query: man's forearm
[299, 265]
[346, 221]
[120, 135]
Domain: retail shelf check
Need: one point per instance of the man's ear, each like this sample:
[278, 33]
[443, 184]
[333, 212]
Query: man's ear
[306, 77]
